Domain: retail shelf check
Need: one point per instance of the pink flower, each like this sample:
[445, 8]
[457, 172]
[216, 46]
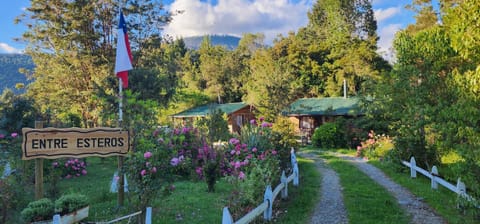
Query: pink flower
[265, 125]
[237, 165]
[253, 122]
[84, 172]
[143, 173]
[254, 149]
[241, 175]
[262, 119]
[174, 161]
[147, 163]
[370, 134]
[238, 153]
[14, 135]
[274, 152]
[199, 171]
[147, 155]
[232, 152]
[154, 170]
[55, 164]
[2, 136]
[68, 176]
[234, 141]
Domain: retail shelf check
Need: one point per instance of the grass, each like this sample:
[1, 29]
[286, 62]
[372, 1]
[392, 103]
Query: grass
[302, 199]
[442, 200]
[190, 202]
[365, 200]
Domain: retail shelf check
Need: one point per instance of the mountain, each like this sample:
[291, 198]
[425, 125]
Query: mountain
[9, 70]
[230, 42]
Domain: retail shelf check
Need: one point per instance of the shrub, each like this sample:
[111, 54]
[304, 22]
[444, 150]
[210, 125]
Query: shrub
[71, 168]
[250, 164]
[328, 135]
[283, 139]
[70, 202]
[38, 210]
[376, 146]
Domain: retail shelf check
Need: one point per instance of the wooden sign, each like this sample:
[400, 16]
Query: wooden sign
[55, 143]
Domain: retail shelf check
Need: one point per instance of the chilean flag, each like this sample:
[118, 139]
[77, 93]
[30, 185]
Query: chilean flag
[123, 60]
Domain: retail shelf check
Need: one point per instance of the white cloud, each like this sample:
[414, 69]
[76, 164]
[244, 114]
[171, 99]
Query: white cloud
[5, 48]
[236, 17]
[387, 34]
[384, 14]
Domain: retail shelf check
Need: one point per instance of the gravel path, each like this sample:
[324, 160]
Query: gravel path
[331, 209]
[419, 211]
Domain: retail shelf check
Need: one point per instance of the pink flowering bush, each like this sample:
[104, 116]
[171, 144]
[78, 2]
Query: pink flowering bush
[161, 156]
[250, 164]
[375, 146]
[71, 168]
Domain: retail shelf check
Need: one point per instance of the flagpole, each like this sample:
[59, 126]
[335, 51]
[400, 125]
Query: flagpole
[120, 101]
[120, 159]
[123, 63]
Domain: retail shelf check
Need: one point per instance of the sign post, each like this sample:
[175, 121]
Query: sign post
[38, 170]
[52, 143]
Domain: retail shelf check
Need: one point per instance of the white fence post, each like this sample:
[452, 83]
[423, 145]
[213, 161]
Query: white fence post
[56, 219]
[268, 197]
[461, 189]
[293, 159]
[434, 176]
[413, 165]
[283, 180]
[148, 216]
[227, 217]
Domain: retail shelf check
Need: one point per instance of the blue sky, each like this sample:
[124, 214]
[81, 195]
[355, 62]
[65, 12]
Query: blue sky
[234, 17]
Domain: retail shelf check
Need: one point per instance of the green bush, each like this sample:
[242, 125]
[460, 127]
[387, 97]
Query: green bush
[38, 210]
[284, 138]
[70, 202]
[328, 135]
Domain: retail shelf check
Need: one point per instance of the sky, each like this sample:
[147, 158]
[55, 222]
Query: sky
[232, 17]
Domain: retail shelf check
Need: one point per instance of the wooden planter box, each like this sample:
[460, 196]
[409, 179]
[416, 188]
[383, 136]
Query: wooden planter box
[75, 216]
[70, 218]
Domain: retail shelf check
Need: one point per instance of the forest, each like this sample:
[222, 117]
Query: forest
[427, 99]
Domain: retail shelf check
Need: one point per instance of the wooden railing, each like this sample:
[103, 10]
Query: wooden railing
[269, 197]
[460, 188]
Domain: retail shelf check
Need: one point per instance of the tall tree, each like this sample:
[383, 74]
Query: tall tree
[343, 34]
[71, 44]
[271, 86]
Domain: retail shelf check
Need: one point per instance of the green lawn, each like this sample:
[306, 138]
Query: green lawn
[190, 202]
[366, 201]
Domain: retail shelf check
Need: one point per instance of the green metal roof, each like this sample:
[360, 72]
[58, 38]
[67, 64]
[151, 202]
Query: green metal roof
[204, 110]
[324, 106]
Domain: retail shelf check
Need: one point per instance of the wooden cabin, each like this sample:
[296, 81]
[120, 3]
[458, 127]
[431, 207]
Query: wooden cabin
[239, 114]
[309, 113]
